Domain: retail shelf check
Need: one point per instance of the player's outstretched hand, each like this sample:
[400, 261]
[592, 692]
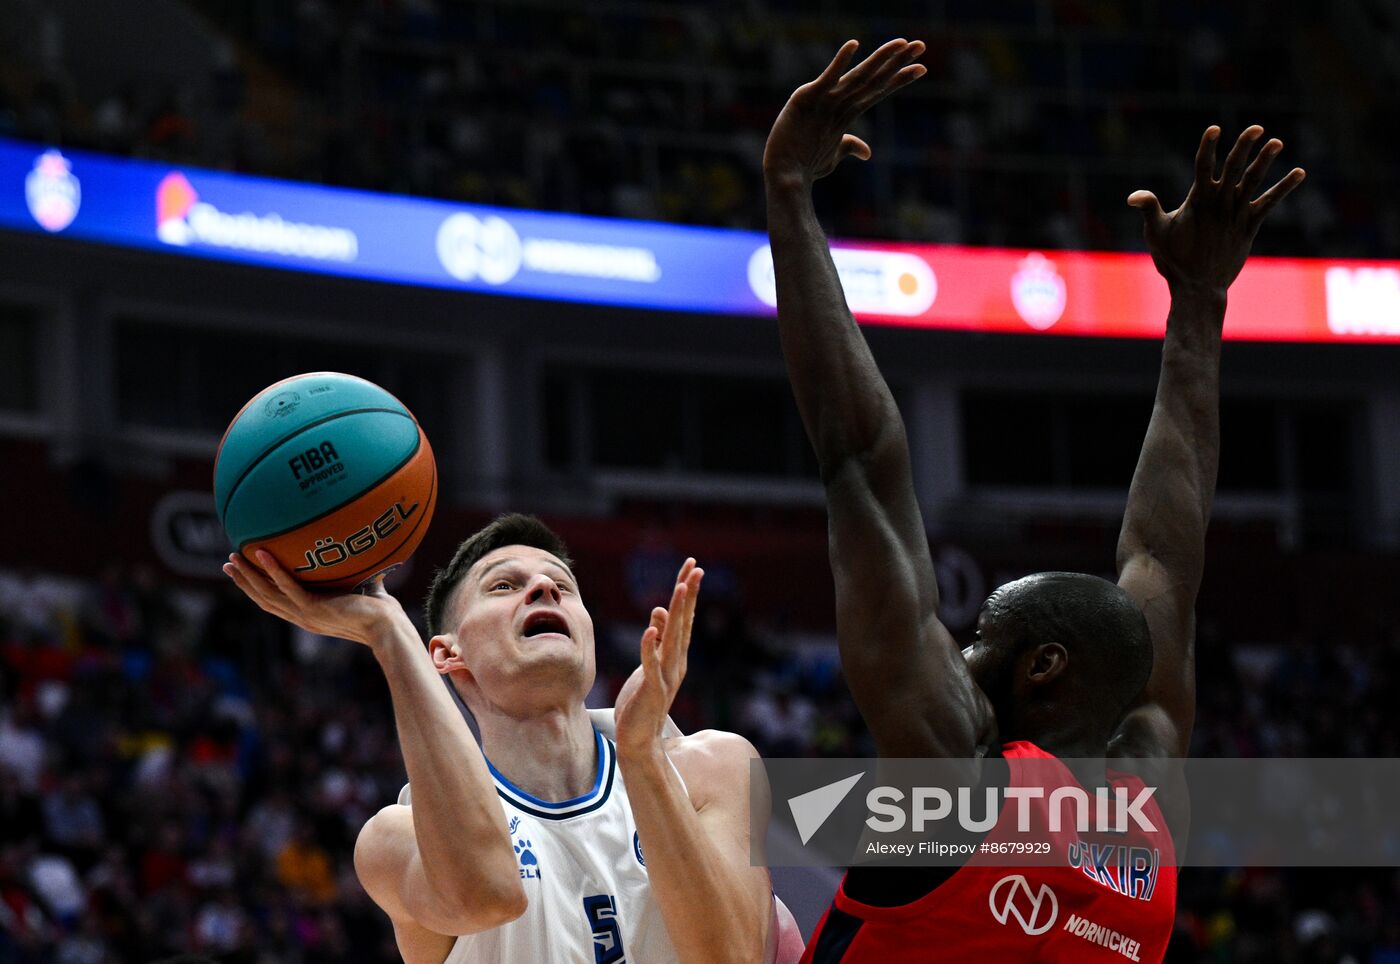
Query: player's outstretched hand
[647, 695]
[359, 616]
[810, 137]
[1203, 244]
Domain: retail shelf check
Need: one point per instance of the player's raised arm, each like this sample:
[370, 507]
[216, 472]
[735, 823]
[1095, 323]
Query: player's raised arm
[906, 673]
[443, 866]
[1199, 249]
[695, 836]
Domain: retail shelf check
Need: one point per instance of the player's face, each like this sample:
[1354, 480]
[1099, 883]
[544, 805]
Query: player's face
[989, 660]
[521, 619]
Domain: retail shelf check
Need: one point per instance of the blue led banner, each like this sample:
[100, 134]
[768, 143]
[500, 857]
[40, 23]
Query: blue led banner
[380, 237]
[639, 264]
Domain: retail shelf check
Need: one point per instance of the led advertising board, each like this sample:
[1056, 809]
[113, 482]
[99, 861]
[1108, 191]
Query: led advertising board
[637, 264]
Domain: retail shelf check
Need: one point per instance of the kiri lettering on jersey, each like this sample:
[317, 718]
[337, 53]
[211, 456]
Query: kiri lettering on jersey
[1131, 871]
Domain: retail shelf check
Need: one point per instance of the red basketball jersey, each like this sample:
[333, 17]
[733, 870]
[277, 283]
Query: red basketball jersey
[1109, 902]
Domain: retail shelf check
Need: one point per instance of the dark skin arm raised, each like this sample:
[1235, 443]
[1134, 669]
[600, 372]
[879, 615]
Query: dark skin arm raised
[905, 671]
[1199, 249]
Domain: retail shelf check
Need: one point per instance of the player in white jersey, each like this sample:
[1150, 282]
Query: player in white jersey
[552, 841]
[585, 851]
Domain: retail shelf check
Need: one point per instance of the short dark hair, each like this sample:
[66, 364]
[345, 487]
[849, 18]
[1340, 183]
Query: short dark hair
[1101, 627]
[512, 529]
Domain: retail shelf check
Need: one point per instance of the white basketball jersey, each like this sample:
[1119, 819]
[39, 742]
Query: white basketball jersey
[584, 873]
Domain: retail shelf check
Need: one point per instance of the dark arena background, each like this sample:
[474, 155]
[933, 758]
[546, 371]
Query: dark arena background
[181, 774]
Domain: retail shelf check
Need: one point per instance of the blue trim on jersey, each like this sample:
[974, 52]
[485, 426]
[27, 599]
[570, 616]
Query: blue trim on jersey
[587, 803]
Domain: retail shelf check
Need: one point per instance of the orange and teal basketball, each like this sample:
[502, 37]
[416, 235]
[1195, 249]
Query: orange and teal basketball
[329, 473]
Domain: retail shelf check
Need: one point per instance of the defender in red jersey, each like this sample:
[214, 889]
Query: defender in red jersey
[1064, 665]
[1114, 899]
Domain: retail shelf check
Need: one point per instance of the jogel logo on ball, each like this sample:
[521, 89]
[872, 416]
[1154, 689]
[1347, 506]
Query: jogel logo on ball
[332, 552]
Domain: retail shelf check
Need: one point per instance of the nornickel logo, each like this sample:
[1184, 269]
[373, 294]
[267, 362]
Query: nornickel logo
[1035, 912]
[470, 247]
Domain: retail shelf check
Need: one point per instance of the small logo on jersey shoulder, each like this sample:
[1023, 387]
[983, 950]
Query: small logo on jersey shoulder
[529, 863]
[637, 848]
[524, 852]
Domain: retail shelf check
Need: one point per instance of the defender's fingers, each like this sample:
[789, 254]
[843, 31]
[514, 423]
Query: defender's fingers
[1151, 208]
[1205, 156]
[870, 67]
[1278, 192]
[833, 70]
[853, 146]
[886, 84]
[1239, 155]
[1254, 174]
[906, 76]
[893, 62]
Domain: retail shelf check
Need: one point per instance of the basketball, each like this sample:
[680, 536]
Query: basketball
[329, 473]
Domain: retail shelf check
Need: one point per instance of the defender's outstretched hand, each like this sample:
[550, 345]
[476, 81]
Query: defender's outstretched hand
[1204, 243]
[647, 695]
[810, 137]
[358, 616]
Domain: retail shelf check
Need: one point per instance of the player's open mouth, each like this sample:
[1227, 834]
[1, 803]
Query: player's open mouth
[542, 623]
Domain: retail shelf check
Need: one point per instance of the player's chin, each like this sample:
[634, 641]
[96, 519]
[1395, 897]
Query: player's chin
[551, 653]
[541, 640]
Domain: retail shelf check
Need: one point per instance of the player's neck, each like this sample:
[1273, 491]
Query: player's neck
[1056, 725]
[1065, 742]
[550, 755]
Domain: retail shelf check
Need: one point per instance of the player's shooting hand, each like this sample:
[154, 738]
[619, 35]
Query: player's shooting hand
[810, 137]
[647, 695]
[1203, 244]
[358, 616]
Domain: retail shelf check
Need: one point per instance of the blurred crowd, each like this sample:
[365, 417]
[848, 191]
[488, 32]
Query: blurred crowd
[1036, 120]
[180, 774]
[158, 795]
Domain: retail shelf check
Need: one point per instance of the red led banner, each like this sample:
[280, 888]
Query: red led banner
[646, 265]
[1117, 295]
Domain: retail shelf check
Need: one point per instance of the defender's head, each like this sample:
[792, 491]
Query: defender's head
[1059, 646]
[508, 625]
